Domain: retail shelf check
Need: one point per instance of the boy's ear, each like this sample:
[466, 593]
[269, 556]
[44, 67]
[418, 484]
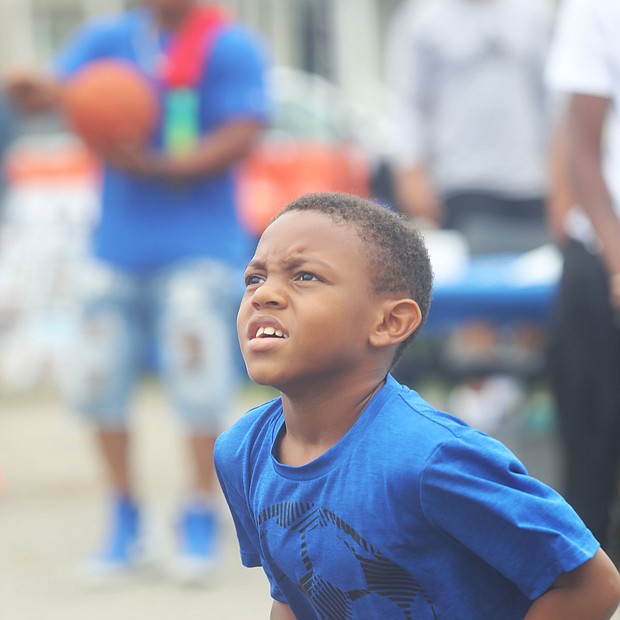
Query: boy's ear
[400, 318]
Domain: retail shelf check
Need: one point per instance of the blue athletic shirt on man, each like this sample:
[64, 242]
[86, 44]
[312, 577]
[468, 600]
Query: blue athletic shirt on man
[412, 515]
[146, 224]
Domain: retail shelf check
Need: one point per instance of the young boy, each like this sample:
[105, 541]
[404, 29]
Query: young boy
[358, 499]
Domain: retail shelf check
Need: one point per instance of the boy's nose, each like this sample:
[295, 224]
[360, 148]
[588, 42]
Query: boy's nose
[268, 294]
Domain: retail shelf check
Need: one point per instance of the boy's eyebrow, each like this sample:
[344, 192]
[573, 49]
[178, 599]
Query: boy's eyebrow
[289, 263]
[255, 263]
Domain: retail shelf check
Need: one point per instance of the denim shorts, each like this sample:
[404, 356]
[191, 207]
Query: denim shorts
[180, 319]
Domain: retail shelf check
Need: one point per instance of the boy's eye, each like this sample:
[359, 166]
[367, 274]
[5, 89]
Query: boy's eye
[252, 279]
[306, 276]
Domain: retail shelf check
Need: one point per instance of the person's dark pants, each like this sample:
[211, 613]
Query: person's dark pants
[493, 223]
[584, 367]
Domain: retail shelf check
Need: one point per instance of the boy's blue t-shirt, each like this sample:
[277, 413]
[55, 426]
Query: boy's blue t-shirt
[412, 514]
[148, 223]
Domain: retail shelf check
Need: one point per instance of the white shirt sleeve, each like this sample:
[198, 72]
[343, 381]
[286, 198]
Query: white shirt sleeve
[578, 61]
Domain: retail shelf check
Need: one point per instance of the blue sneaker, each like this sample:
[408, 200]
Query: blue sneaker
[198, 545]
[122, 550]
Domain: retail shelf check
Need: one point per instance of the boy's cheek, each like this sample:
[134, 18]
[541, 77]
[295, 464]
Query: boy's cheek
[241, 323]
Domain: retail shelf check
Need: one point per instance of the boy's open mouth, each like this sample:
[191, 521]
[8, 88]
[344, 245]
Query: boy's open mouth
[270, 332]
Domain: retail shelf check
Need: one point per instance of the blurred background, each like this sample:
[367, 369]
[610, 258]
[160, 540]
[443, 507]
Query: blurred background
[334, 129]
[330, 131]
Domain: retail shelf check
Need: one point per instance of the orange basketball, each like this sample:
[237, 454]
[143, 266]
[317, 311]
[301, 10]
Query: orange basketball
[109, 102]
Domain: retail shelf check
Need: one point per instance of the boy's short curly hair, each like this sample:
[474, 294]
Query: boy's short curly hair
[394, 248]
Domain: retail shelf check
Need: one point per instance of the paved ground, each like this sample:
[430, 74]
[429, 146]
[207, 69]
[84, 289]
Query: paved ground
[51, 514]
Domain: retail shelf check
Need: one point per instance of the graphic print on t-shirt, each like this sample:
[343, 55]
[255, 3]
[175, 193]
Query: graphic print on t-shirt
[343, 576]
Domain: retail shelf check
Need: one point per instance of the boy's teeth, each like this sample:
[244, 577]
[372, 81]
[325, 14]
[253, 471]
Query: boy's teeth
[270, 331]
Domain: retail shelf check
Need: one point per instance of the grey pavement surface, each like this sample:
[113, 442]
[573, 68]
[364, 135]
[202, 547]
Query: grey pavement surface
[51, 516]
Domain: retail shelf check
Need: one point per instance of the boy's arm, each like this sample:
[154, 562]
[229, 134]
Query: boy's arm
[590, 592]
[280, 611]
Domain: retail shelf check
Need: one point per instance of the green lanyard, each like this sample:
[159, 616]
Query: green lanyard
[181, 130]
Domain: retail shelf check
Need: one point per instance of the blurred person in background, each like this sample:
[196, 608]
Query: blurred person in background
[584, 68]
[474, 114]
[166, 251]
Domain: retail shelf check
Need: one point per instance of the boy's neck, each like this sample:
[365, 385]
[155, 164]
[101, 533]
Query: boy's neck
[318, 419]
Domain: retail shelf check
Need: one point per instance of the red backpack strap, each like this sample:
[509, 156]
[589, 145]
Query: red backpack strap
[192, 45]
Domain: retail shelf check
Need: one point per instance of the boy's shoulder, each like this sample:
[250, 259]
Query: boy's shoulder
[409, 405]
[250, 428]
[426, 435]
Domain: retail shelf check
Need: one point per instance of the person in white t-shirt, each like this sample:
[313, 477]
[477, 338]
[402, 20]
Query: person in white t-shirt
[584, 67]
[469, 76]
